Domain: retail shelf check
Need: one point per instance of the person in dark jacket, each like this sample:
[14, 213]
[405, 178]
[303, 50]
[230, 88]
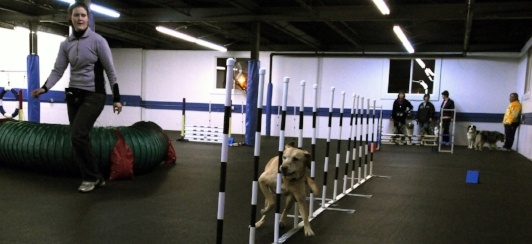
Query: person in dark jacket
[447, 116]
[401, 109]
[425, 116]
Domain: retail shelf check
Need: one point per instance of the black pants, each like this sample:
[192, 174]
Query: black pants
[399, 127]
[509, 131]
[445, 124]
[84, 107]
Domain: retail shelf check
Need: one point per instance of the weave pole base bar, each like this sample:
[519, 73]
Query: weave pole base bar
[203, 133]
[322, 209]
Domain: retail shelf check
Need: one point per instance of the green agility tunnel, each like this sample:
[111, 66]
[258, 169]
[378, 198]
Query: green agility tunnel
[119, 151]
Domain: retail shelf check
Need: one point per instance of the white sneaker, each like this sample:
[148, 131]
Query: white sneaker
[87, 186]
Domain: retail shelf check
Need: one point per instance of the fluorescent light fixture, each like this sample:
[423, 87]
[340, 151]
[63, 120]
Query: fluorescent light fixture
[24, 30]
[21, 29]
[382, 6]
[421, 63]
[429, 72]
[403, 39]
[190, 38]
[175, 34]
[98, 8]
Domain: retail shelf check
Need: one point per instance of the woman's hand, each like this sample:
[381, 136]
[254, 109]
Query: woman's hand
[117, 107]
[37, 92]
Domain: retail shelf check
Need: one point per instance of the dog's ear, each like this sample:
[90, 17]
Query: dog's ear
[289, 145]
[308, 158]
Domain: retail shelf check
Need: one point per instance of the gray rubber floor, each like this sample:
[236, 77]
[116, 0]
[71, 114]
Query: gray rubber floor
[426, 200]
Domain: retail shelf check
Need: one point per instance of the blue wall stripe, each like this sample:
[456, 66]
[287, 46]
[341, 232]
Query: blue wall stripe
[527, 119]
[136, 101]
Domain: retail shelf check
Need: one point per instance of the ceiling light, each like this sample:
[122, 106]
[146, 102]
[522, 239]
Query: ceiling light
[382, 6]
[98, 8]
[175, 34]
[403, 39]
[21, 29]
[190, 38]
[421, 63]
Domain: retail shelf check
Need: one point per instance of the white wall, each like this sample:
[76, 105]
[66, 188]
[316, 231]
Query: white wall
[477, 85]
[524, 133]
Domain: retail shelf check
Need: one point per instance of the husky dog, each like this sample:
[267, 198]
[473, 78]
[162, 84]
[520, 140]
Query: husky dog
[471, 136]
[490, 137]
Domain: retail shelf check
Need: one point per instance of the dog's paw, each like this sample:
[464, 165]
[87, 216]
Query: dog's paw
[308, 231]
[259, 224]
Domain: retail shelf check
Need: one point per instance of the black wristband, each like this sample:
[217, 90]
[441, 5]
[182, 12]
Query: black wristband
[116, 94]
[44, 87]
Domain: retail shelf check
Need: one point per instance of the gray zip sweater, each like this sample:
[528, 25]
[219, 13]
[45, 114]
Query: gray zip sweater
[89, 56]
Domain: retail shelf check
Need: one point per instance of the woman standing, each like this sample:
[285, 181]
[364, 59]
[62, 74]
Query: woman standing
[89, 56]
[400, 110]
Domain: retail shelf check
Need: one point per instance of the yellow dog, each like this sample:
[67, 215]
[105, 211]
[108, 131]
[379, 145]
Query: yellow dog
[295, 176]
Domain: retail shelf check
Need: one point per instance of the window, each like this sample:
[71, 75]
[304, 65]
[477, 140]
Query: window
[413, 76]
[240, 73]
[528, 79]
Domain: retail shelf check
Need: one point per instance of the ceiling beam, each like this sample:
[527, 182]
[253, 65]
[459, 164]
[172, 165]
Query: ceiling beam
[468, 25]
[285, 27]
[488, 11]
[297, 34]
[340, 27]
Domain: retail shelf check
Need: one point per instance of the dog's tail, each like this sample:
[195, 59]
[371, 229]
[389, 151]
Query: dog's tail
[313, 185]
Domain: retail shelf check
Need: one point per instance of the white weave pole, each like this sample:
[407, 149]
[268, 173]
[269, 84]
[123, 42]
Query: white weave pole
[313, 147]
[373, 144]
[225, 148]
[337, 169]
[355, 144]
[300, 139]
[286, 80]
[367, 143]
[361, 144]
[256, 160]
[327, 148]
[301, 115]
[347, 152]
